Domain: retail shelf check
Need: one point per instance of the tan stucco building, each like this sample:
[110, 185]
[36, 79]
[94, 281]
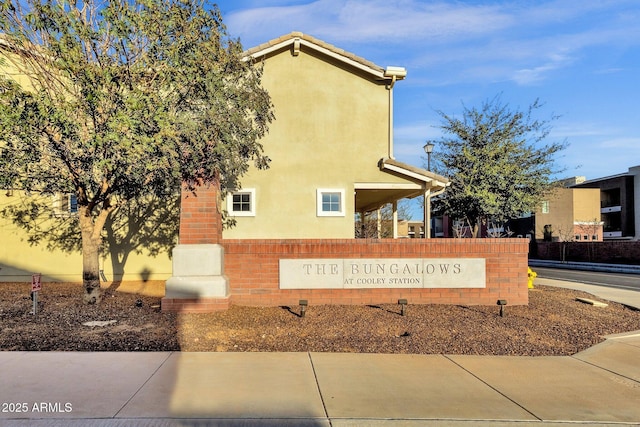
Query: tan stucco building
[331, 147]
[570, 214]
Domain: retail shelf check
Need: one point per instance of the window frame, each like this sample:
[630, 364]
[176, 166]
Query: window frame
[252, 203]
[319, 205]
[64, 205]
[545, 207]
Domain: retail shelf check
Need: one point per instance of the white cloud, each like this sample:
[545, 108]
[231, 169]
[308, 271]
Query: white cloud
[599, 154]
[416, 130]
[491, 41]
[409, 20]
[631, 145]
[594, 131]
[366, 21]
[537, 74]
[609, 71]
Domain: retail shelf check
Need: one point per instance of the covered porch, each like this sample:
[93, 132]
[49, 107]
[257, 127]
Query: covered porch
[414, 182]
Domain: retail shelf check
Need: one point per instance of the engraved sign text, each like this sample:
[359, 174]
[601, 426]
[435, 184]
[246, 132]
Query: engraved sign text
[382, 273]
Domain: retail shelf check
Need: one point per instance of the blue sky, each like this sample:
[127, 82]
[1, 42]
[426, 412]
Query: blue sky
[580, 57]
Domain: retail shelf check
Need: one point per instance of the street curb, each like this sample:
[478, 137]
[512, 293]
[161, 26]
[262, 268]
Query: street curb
[586, 266]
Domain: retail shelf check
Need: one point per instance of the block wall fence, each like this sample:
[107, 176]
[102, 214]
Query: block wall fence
[252, 266]
[609, 252]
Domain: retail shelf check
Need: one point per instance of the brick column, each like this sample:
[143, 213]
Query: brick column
[200, 215]
[198, 283]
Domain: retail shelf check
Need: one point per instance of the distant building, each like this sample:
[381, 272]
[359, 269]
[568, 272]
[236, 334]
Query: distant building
[383, 229]
[569, 214]
[415, 229]
[439, 228]
[619, 203]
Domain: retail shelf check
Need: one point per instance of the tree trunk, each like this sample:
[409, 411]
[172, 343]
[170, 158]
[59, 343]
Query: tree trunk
[90, 258]
[474, 226]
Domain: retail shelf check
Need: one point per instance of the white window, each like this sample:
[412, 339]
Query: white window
[242, 203]
[545, 207]
[330, 202]
[65, 205]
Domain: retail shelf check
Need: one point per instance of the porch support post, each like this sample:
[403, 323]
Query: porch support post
[394, 206]
[427, 214]
[379, 225]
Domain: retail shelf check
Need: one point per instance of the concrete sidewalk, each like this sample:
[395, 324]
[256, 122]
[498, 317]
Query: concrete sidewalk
[600, 386]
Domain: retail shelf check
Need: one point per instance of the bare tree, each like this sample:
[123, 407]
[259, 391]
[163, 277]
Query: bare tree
[367, 227]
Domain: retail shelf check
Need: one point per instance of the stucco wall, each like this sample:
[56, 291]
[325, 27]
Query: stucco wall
[587, 204]
[8, 68]
[331, 129]
[559, 216]
[568, 207]
[19, 259]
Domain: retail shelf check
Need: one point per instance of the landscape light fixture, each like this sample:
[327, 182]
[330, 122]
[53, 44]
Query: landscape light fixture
[403, 305]
[502, 303]
[303, 303]
[428, 148]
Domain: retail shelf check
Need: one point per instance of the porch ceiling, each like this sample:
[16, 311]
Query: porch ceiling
[370, 198]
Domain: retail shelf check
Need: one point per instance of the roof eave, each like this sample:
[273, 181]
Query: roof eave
[298, 40]
[415, 173]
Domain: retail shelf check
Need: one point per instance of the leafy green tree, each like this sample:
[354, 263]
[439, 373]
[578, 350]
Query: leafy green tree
[122, 101]
[498, 162]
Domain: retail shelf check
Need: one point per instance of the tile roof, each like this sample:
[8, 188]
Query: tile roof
[312, 40]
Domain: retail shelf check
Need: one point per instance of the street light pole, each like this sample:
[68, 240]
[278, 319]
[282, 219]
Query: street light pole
[428, 148]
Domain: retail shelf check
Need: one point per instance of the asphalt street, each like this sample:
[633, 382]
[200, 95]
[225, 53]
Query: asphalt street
[615, 280]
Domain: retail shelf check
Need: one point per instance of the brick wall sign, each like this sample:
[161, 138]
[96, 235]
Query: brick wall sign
[281, 272]
[395, 273]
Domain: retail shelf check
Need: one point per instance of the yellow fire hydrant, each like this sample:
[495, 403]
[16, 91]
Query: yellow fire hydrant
[532, 275]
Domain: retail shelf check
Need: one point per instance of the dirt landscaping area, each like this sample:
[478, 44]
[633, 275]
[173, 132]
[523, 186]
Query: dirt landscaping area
[554, 323]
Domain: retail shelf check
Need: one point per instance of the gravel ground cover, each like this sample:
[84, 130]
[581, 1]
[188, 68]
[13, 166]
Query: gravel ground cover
[554, 323]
